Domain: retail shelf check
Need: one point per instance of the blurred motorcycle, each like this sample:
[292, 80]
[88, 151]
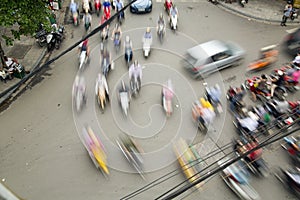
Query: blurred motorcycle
[124, 98]
[79, 93]
[167, 98]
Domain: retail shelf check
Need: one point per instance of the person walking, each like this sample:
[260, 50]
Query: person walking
[286, 14]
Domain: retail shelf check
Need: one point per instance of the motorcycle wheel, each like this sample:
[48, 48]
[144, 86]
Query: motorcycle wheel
[57, 44]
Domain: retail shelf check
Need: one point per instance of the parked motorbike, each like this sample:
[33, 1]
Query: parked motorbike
[54, 39]
[95, 149]
[41, 36]
[97, 5]
[236, 178]
[132, 152]
[242, 2]
[213, 1]
[124, 98]
[167, 95]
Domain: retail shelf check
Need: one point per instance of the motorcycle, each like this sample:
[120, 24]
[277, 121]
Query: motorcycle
[214, 102]
[106, 66]
[292, 146]
[95, 149]
[104, 33]
[261, 94]
[128, 55]
[97, 5]
[41, 36]
[167, 5]
[203, 117]
[242, 2]
[254, 160]
[83, 60]
[101, 95]
[75, 19]
[290, 178]
[173, 21]
[167, 98]
[213, 1]
[239, 105]
[124, 98]
[54, 39]
[135, 85]
[79, 93]
[132, 152]
[87, 25]
[294, 13]
[160, 32]
[147, 46]
[236, 178]
[117, 42]
[106, 12]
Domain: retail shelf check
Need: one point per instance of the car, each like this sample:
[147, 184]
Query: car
[291, 43]
[141, 6]
[212, 56]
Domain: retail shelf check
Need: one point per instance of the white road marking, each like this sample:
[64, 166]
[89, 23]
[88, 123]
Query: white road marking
[291, 30]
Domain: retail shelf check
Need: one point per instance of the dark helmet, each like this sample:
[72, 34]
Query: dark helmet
[263, 76]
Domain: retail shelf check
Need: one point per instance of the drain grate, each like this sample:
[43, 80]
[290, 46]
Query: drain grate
[18, 51]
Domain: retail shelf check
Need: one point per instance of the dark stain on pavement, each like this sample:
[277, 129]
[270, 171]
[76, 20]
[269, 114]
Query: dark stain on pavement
[19, 51]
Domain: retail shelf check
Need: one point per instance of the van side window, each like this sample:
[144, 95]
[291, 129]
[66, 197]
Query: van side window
[220, 56]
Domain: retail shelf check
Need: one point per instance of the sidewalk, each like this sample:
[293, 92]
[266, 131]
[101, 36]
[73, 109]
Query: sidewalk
[29, 53]
[267, 11]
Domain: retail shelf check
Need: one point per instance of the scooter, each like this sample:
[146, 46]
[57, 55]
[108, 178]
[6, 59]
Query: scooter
[41, 36]
[290, 179]
[79, 93]
[106, 12]
[135, 84]
[53, 41]
[106, 67]
[236, 178]
[215, 103]
[173, 22]
[160, 32]
[242, 2]
[128, 55]
[124, 98]
[83, 59]
[167, 98]
[95, 149]
[97, 5]
[147, 46]
[101, 96]
[132, 152]
[104, 33]
[292, 146]
[167, 5]
[117, 42]
[75, 19]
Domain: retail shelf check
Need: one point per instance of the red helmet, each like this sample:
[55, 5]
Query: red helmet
[85, 42]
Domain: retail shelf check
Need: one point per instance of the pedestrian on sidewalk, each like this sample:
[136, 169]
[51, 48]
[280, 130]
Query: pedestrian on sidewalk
[286, 14]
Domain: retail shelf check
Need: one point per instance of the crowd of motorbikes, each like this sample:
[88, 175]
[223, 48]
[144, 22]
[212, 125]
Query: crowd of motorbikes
[126, 91]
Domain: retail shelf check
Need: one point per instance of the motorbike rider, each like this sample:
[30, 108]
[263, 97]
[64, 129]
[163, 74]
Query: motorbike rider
[117, 31]
[73, 7]
[173, 11]
[106, 56]
[83, 46]
[296, 60]
[148, 36]
[119, 5]
[87, 19]
[168, 92]
[135, 70]
[79, 85]
[101, 81]
[87, 5]
[237, 97]
[161, 20]
[128, 46]
[106, 8]
[277, 81]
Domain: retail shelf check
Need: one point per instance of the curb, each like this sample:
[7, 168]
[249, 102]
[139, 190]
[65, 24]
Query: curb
[270, 21]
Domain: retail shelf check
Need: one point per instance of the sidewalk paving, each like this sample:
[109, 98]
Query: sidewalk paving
[29, 53]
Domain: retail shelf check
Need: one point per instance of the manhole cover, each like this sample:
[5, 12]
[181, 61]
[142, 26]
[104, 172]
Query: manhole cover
[18, 51]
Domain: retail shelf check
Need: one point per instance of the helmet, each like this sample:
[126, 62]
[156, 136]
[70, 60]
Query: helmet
[148, 29]
[280, 73]
[127, 39]
[160, 16]
[263, 76]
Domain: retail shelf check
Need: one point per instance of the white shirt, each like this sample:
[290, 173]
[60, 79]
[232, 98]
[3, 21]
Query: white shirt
[297, 60]
[135, 71]
[101, 81]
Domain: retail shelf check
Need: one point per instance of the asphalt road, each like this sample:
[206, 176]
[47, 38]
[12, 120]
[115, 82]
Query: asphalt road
[41, 154]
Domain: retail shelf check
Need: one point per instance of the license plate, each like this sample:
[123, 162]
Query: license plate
[141, 9]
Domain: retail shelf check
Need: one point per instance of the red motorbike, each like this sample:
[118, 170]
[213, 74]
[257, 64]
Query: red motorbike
[106, 12]
[97, 5]
[168, 4]
[261, 94]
